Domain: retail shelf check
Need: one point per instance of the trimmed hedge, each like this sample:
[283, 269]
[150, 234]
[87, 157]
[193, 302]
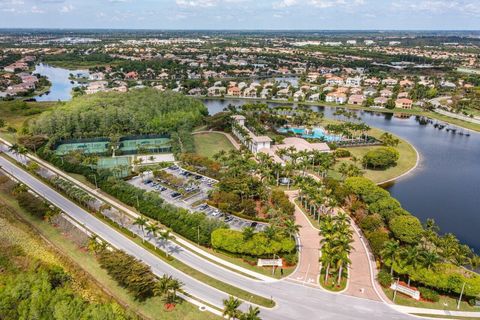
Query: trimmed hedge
[429, 294]
[258, 246]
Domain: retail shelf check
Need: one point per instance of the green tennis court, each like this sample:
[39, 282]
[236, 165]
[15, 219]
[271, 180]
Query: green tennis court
[86, 147]
[155, 145]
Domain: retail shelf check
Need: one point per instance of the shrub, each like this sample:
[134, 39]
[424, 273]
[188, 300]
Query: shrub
[381, 158]
[472, 302]
[384, 278]
[429, 294]
[342, 153]
[377, 241]
[257, 246]
[406, 228]
[371, 223]
[291, 259]
[31, 204]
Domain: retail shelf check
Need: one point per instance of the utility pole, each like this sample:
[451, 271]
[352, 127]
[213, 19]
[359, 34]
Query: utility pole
[395, 292]
[273, 265]
[461, 294]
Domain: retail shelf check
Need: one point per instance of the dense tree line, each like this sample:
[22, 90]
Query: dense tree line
[130, 273]
[145, 111]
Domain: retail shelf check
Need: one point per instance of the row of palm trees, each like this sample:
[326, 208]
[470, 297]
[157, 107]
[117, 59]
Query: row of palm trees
[231, 310]
[335, 245]
[407, 257]
[154, 231]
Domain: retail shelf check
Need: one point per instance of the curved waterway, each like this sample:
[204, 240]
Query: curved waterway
[61, 88]
[446, 184]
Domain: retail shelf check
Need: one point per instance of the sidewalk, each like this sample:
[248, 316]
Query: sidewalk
[427, 311]
[308, 269]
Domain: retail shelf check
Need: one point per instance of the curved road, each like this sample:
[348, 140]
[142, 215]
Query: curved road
[293, 300]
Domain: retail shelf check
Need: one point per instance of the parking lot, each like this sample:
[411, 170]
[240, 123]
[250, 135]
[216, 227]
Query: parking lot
[191, 195]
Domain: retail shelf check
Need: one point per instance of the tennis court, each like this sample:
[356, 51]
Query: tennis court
[153, 145]
[86, 147]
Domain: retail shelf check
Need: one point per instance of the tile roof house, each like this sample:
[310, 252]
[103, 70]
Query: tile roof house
[403, 103]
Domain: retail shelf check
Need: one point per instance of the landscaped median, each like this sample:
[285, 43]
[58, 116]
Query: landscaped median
[242, 294]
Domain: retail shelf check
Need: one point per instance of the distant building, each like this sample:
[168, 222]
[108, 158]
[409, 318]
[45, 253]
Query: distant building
[403, 103]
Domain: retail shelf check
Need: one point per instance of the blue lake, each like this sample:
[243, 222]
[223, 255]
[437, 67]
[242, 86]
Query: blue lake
[61, 88]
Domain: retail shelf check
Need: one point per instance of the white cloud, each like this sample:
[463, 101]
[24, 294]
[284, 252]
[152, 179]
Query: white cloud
[67, 8]
[36, 9]
[197, 3]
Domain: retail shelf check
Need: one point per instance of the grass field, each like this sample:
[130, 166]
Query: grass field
[208, 144]
[407, 160]
[150, 309]
[16, 114]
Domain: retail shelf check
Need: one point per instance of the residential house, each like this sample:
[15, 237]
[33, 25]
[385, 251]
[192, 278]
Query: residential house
[403, 103]
[389, 82]
[299, 96]
[380, 101]
[314, 97]
[353, 82]
[216, 91]
[356, 99]
[234, 92]
[250, 92]
[336, 97]
[386, 93]
[335, 81]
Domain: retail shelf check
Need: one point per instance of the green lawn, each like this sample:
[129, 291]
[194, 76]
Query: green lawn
[151, 309]
[407, 160]
[208, 144]
[444, 317]
[445, 302]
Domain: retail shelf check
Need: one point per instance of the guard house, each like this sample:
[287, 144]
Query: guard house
[253, 142]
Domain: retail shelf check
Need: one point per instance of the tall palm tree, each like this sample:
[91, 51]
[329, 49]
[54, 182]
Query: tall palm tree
[251, 314]
[390, 253]
[290, 228]
[141, 222]
[411, 257]
[429, 259]
[230, 307]
[152, 230]
[341, 260]
[166, 236]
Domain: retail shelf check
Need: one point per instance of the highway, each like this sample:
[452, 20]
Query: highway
[294, 301]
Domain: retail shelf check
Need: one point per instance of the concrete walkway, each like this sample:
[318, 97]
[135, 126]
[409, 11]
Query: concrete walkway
[308, 269]
[234, 142]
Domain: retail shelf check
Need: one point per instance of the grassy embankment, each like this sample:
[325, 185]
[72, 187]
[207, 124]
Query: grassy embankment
[445, 302]
[407, 160]
[208, 144]
[51, 241]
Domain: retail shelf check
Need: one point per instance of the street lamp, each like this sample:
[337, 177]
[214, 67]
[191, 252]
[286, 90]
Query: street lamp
[461, 295]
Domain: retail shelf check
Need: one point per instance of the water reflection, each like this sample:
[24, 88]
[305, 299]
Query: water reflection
[61, 88]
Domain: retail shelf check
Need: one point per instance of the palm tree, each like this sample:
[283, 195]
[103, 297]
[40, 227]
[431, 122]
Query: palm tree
[390, 253]
[429, 259]
[230, 307]
[251, 314]
[166, 236]
[270, 231]
[291, 229]
[341, 260]
[167, 286]
[141, 222]
[411, 257]
[152, 230]
[327, 260]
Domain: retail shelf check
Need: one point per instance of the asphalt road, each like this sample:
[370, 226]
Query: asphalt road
[293, 300]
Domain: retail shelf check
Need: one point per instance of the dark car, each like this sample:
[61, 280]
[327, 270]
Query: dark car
[254, 224]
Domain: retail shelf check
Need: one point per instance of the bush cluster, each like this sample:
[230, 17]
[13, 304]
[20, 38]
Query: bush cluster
[257, 246]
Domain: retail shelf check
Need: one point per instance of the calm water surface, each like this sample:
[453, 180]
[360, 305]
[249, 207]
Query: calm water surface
[446, 184]
[61, 88]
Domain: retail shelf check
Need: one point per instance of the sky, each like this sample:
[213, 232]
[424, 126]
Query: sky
[243, 14]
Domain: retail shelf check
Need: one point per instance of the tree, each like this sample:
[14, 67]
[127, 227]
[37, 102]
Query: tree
[382, 158]
[167, 287]
[141, 222]
[251, 314]
[406, 228]
[389, 140]
[410, 258]
[2, 123]
[390, 253]
[291, 229]
[248, 233]
[165, 236]
[230, 308]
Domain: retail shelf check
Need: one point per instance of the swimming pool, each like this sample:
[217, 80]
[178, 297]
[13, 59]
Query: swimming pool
[315, 133]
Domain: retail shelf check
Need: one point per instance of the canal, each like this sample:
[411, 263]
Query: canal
[446, 184]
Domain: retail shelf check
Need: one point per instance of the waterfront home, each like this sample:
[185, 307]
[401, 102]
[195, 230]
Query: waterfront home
[299, 96]
[314, 97]
[283, 94]
[356, 99]
[369, 92]
[336, 97]
[402, 95]
[234, 91]
[250, 92]
[403, 103]
[132, 75]
[97, 76]
[216, 91]
[380, 101]
[406, 83]
[371, 82]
